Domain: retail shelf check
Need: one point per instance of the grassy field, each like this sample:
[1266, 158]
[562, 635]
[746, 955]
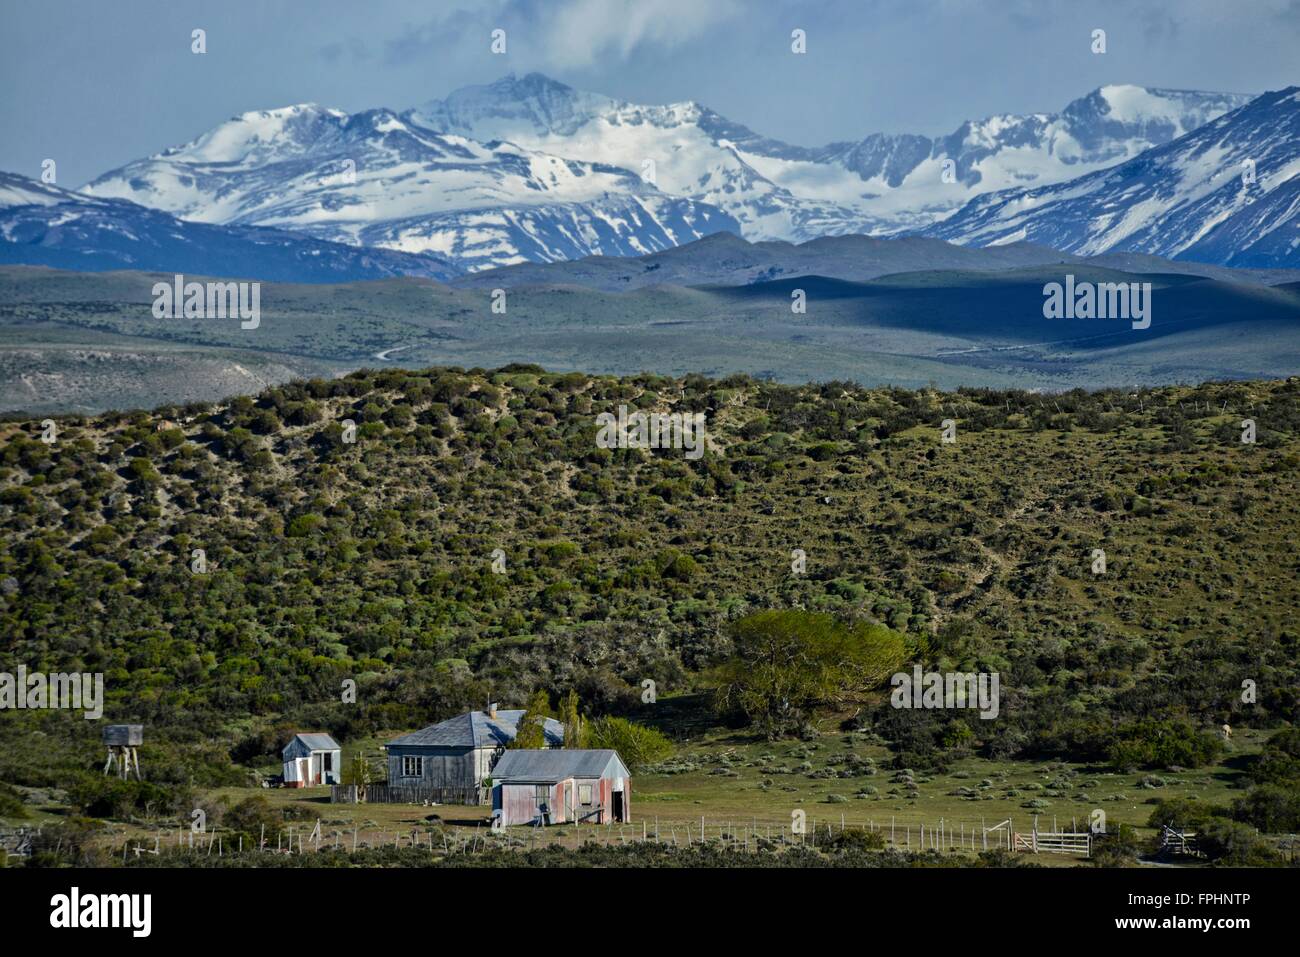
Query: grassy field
[740, 789]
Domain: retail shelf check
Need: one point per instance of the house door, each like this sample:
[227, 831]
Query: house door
[315, 769]
[618, 806]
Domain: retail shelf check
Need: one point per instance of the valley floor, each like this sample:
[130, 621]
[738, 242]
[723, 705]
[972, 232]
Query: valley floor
[743, 794]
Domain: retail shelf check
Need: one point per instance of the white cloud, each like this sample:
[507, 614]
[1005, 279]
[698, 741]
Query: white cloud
[580, 32]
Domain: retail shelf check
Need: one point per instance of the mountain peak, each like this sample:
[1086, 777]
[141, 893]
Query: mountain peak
[531, 83]
[260, 134]
[284, 112]
[1135, 106]
[534, 104]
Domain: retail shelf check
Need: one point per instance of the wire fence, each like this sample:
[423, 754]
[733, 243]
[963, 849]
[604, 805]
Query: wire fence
[749, 835]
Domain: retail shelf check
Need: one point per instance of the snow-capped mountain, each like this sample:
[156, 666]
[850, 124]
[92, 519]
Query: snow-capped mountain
[45, 225]
[531, 170]
[1227, 192]
[375, 179]
[18, 190]
[881, 184]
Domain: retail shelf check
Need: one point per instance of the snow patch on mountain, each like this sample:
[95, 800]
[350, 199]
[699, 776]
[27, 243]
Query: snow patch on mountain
[375, 178]
[529, 169]
[882, 184]
[1226, 192]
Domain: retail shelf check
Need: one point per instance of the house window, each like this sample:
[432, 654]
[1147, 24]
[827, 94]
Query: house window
[412, 767]
[584, 793]
[541, 793]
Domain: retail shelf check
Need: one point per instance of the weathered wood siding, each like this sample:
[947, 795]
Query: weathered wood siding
[462, 769]
[518, 804]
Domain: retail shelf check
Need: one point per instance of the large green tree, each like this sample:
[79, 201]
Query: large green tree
[787, 663]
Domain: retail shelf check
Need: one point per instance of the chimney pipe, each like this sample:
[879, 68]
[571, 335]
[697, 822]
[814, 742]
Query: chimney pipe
[492, 710]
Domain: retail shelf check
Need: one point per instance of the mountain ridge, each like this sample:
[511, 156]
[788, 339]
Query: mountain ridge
[45, 225]
[533, 170]
[1227, 192]
[841, 187]
[372, 178]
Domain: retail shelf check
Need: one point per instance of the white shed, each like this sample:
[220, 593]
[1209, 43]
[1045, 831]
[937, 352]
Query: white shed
[312, 758]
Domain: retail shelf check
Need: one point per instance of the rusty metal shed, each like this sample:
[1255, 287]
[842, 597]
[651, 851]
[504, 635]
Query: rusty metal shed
[561, 786]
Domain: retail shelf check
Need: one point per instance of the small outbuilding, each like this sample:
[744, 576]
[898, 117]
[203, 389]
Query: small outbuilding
[561, 786]
[124, 735]
[122, 741]
[312, 758]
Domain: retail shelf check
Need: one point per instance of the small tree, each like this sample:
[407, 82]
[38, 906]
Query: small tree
[572, 721]
[358, 773]
[531, 731]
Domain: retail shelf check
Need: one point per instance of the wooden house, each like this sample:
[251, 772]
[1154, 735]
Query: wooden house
[575, 786]
[448, 762]
[312, 758]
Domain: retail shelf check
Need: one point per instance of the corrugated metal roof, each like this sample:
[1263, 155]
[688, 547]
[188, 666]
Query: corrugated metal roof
[318, 741]
[477, 730]
[556, 765]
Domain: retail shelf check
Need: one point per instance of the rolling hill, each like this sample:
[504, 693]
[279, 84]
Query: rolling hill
[371, 560]
[949, 326]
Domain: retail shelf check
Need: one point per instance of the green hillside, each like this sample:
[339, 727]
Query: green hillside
[372, 561]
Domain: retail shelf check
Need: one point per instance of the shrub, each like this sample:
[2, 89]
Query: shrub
[1119, 848]
[1183, 813]
[854, 839]
[1237, 845]
[11, 802]
[636, 744]
[1279, 762]
[1270, 808]
[254, 818]
[108, 797]
[789, 662]
[1162, 744]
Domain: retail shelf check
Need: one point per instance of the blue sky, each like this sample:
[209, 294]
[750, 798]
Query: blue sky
[94, 84]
